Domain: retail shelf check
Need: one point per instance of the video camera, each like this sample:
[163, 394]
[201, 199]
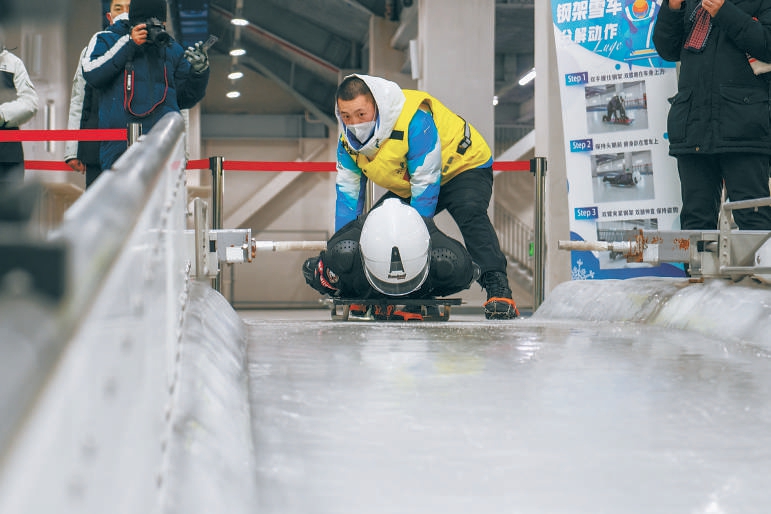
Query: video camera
[156, 33]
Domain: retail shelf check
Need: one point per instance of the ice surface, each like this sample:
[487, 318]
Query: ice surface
[636, 396]
[531, 416]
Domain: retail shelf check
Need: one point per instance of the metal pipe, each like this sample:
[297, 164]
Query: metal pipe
[50, 122]
[216, 164]
[538, 168]
[232, 283]
[201, 238]
[622, 247]
[747, 204]
[133, 133]
[287, 246]
[369, 196]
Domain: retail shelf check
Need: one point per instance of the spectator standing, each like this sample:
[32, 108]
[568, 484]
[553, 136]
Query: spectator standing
[718, 124]
[18, 104]
[83, 156]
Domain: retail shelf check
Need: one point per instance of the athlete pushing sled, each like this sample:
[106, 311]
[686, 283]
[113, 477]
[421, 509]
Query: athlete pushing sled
[392, 264]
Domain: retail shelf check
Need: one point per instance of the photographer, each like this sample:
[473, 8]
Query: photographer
[141, 73]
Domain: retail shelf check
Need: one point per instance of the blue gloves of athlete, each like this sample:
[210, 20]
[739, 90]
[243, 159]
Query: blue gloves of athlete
[197, 57]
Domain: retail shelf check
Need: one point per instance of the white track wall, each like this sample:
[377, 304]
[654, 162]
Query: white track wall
[110, 427]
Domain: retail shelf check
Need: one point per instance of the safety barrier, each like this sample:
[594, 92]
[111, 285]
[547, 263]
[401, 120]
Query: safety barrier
[515, 247]
[89, 374]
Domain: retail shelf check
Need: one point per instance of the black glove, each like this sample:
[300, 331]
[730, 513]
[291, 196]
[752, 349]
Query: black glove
[316, 276]
[309, 270]
[197, 57]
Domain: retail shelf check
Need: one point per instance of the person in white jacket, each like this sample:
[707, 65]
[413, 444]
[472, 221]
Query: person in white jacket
[83, 156]
[18, 104]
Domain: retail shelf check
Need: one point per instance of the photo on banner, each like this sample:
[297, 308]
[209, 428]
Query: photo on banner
[613, 94]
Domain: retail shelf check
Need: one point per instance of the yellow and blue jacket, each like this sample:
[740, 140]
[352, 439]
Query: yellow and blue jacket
[418, 145]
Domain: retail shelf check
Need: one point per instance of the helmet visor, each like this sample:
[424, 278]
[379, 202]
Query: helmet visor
[397, 288]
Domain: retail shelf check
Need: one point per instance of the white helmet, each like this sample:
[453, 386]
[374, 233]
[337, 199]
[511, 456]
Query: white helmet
[395, 247]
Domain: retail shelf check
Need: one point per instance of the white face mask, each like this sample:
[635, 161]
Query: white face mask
[363, 131]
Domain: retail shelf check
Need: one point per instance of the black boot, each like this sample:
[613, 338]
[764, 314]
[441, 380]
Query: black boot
[499, 304]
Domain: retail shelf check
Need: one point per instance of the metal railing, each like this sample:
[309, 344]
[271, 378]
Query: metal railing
[104, 362]
[525, 246]
[516, 238]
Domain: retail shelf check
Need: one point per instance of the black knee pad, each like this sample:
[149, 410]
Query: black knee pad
[343, 256]
[444, 263]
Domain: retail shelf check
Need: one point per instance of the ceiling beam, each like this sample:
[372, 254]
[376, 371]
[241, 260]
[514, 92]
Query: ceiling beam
[309, 105]
[261, 126]
[264, 38]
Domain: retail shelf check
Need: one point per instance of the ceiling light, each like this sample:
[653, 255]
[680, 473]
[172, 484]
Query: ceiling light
[235, 74]
[239, 22]
[527, 77]
[495, 100]
[233, 94]
[237, 52]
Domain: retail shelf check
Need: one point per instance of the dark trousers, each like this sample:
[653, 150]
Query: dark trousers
[92, 172]
[701, 182]
[11, 174]
[467, 197]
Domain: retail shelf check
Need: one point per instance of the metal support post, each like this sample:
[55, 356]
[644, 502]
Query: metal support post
[369, 196]
[201, 231]
[134, 131]
[216, 164]
[538, 168]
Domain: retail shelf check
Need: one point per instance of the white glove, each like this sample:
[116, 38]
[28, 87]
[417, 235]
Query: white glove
[197, 58]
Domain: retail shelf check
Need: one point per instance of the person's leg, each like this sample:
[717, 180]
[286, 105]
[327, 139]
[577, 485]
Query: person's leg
[11, 174]
[746, 178]
[92, 173]
[466, 197]
[701, 183]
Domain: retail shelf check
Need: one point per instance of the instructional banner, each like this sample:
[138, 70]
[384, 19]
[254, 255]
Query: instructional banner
[614, 89]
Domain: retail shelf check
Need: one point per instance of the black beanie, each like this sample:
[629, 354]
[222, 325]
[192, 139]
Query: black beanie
[142, 10]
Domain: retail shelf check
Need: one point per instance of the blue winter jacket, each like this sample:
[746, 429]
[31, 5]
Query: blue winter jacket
[137, 83]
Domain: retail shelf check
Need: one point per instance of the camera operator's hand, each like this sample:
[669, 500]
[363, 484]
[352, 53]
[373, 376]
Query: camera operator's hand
[197, 57]
[139, 34]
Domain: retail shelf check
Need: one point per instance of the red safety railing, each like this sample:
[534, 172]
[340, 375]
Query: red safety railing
[218, 165]
[197, 164]
[203, 164]
[64, 135]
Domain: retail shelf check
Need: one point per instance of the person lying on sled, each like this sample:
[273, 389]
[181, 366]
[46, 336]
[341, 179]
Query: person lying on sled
[391, 252]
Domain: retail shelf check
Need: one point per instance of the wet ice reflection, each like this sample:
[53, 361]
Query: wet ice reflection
[508, 417]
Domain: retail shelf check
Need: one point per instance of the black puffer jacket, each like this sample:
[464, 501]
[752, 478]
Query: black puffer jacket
[721, 105]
